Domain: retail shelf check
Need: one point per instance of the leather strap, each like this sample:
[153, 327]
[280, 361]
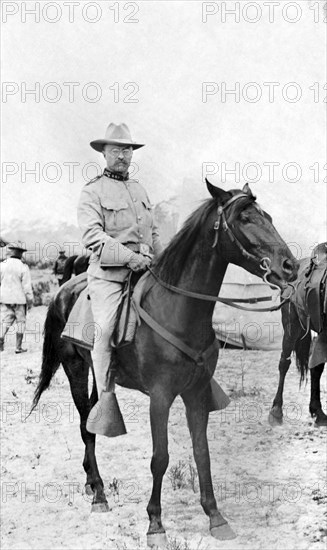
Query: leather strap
[221, 216]
[227, 301]
[200, 357]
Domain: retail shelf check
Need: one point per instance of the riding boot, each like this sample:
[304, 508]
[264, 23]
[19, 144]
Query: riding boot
[19, 340]
[2, 344]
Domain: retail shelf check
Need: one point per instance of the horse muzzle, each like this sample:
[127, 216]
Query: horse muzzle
[279, 279]
[290, 269]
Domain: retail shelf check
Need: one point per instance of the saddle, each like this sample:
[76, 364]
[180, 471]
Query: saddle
[80, 328]
[311, 291]
[127, 316]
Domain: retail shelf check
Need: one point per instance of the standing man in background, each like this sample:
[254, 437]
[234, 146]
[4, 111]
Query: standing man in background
[16, 295]
[117, 223]
[58, 269]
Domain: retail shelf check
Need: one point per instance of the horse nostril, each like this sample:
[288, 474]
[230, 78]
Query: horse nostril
[288, 266]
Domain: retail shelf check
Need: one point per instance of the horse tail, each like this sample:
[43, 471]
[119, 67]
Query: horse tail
[68, 268]
[302, 351]
[53, 326]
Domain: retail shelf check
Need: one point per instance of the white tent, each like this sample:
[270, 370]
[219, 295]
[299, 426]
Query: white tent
[247, 329]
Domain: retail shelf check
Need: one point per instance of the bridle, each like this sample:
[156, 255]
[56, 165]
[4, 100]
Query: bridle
[201, 357]
[264, 265]
[221, 219]
[264, 262]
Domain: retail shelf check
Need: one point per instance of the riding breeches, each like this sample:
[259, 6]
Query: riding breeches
[105, 299]
[9, 313]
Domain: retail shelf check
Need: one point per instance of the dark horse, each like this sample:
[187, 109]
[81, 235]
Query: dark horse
[74, 265]
[228, 227]
[299, 316]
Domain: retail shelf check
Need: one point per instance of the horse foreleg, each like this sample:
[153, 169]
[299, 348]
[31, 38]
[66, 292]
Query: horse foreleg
[159, 414]
[315, 403]
[197, 418]
[276, 412]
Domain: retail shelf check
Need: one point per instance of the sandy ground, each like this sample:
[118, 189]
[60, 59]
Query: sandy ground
[269, 483]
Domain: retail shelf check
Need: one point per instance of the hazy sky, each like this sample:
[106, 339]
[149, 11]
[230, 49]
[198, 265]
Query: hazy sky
[164, 67]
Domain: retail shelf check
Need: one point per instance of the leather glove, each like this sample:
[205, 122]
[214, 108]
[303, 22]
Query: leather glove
[139, 262]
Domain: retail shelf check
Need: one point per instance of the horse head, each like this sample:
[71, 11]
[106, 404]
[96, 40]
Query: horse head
[245, 235]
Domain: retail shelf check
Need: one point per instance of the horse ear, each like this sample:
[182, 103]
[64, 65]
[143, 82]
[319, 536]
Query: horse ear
[217, 193]
[246, 189]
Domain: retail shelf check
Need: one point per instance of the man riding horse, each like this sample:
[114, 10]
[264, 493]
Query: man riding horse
[59, 267]
[117, 223]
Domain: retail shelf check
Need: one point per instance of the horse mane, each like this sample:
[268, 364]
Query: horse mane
[171, 262]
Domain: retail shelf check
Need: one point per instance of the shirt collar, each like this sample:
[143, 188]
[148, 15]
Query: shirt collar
[115, 176]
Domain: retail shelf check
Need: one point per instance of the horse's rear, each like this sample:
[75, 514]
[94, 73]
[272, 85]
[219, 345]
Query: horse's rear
[68, 268]
[75, 265]
[305, 312]
[55, 350]
[76, 362]
[309, 303]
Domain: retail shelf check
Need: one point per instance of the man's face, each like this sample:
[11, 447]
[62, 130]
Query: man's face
[16, 253]
[118, 158]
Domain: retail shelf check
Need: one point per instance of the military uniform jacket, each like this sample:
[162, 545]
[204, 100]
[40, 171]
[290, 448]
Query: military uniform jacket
[116, 220]
[15, 280]
[60, 265]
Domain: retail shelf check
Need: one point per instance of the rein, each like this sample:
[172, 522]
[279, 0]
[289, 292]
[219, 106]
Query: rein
[227, 301]
[201, 357]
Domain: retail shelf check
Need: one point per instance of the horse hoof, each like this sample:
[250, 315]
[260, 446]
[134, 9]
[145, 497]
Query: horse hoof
[156, 540]
[275, 420]
[320, 422]
[224, 532]
[100, 507]
[88, 490]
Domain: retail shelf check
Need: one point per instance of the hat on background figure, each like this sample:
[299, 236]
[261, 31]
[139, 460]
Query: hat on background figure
[18, 245]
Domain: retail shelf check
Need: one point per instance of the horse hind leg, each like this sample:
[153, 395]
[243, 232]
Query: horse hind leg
[315, 407]
[292, 331]
[77, 373]
[276, 412]
[90, 477]
[197, 419]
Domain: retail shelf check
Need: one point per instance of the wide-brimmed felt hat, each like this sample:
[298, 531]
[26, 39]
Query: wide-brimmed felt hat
[17, 246]
[116, 134]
